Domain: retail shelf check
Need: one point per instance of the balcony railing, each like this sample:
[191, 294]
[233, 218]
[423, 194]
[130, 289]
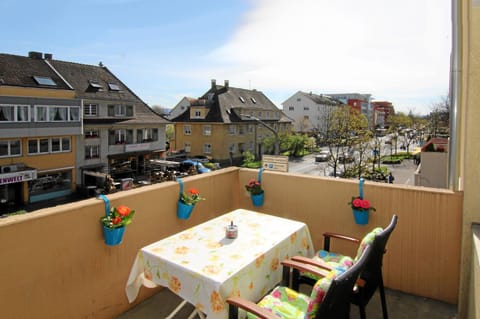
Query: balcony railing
[55, 264]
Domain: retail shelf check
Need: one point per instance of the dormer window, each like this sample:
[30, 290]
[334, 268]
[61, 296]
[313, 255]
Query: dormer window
[94, 86]
[253, 100]
[241, 99]
[44, 80]
[113, 87]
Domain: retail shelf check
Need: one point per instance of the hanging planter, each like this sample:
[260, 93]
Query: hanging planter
[113, 236]
[257, 200]
[114, 222]
[361, 207]
[254, 187]
[187, 202]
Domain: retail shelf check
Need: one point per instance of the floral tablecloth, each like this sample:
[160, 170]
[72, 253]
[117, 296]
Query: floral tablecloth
[204, 267]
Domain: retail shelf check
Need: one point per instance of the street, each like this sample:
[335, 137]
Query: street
[403, 173]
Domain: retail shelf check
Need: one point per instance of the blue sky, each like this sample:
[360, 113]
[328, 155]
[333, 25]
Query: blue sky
[397, 51]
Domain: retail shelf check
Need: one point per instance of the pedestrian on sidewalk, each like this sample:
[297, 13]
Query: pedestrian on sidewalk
[390, 178]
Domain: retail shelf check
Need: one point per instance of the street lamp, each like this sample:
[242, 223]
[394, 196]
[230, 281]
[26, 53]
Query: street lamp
[275, 133]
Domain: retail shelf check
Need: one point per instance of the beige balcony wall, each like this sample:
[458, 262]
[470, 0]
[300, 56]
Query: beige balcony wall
[54, 263]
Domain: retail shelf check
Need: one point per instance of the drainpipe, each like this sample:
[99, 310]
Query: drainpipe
[454, 90]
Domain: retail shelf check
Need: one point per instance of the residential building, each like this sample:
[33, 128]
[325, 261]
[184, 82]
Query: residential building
[221, 123]
[309, 111]
[73, 124]
[433, 168]
[360, 102]
[384, 107]
[181, 107]
[121, 133]
[40, 123]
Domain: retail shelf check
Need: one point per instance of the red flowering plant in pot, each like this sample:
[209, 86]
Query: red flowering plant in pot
[187, 202]
[191, 197]
[254, 187]
[114, 223]
[118, 217]
[361, 209]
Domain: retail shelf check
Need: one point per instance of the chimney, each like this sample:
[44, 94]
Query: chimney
[214, 84]
[35, 55]
[226, 84]
[48, 56]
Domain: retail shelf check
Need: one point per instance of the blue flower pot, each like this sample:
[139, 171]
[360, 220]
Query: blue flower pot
[361, 216]
[184, 210]
[257, 200]
[113, 236]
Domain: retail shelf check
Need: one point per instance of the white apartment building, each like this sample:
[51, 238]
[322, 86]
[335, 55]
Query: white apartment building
[309, 111]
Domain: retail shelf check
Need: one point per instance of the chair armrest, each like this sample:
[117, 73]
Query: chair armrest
[314, 262]
[327, 236]
[249, 306]
[305, 267]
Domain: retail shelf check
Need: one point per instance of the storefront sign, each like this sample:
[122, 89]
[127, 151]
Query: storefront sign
[18, 177]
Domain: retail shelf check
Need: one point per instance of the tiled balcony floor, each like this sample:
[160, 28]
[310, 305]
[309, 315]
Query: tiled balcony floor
[400, 306]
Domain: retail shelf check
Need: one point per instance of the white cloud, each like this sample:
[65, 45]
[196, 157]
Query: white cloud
[395, 50]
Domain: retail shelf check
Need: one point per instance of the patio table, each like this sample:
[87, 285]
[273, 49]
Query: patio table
[204, 267]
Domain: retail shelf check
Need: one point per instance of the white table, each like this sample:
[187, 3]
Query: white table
[204, 267]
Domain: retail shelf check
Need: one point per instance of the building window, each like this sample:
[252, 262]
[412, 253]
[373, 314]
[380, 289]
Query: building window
[291, 108]
[306, 108]
[120, 110]
[260, 114]
[121, 136]
[298, 99]
[45, 145]
[147, 135]
[306, 117]
[90, 109]
[113, 87]
[207, 148]
[57, 114]
[250, 129]
[46, 183]
[197, 114]
[44, 80]
[187, 130]
[207, 130]
[231, 129]
[60, 145]
[74, 114]
[92, 151]
[10, 148]
[241, 130]
[38, 146]
[14, 113]
[241, 99]
[92, 134]
[253, 100]
[41, 114]
[187, 147]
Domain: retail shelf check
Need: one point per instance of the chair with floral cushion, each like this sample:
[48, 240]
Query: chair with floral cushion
[371, 277]
[329, 299]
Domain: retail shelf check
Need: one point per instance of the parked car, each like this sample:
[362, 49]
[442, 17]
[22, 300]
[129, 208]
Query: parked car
[186, 165]
[201, 158]
[323, 156]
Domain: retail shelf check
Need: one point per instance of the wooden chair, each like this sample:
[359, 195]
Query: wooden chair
[330, 297]
[371, 277]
